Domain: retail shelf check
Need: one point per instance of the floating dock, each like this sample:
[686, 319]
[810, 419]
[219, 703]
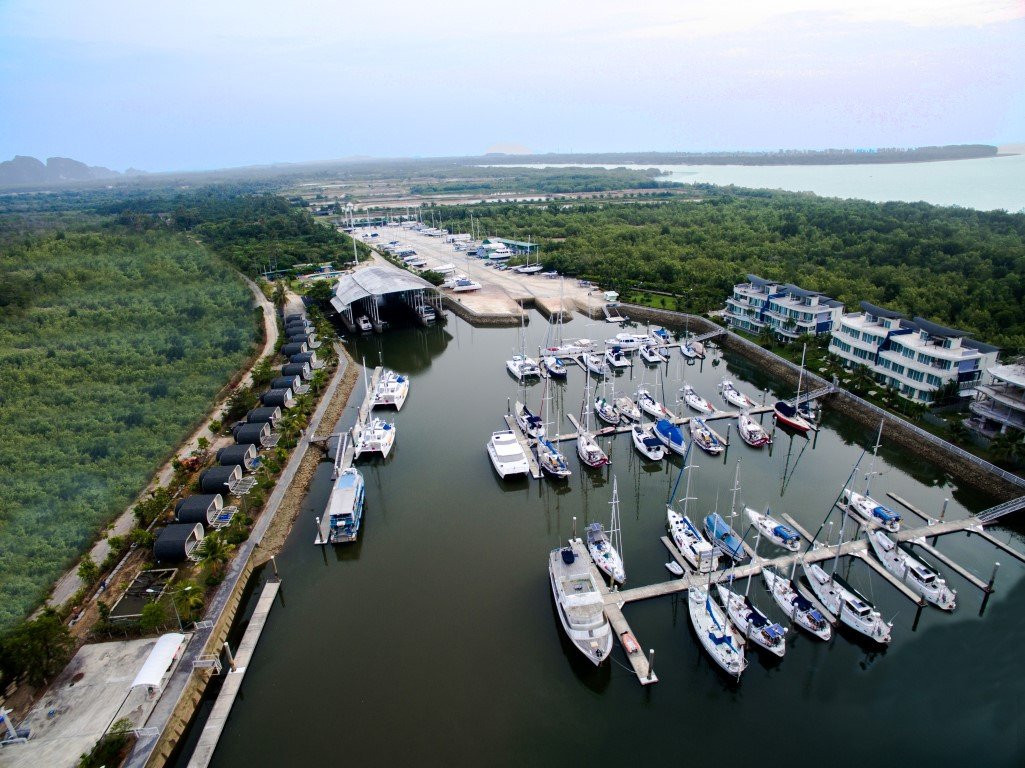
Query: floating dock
[218, 718]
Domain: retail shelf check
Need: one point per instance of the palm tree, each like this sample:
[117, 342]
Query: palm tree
[280, 295]
[214, 550]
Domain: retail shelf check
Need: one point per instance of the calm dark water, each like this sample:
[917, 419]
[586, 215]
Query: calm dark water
[433, 641]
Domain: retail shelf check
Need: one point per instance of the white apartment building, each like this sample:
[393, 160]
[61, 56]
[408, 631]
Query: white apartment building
[789, 311]
[1000, 404]
[915, 357]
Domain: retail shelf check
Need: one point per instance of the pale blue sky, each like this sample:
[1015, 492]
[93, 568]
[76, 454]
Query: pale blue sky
[207, 84]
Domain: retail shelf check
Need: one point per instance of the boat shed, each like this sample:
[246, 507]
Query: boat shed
[294, 348]
[201, 508]
[266, 415]
[256, 433]
[364, 291]
[220, 479]
[297, 369]
[286, 382]
[282, 398]
[243, 454]
[177, 542]
[516, 246]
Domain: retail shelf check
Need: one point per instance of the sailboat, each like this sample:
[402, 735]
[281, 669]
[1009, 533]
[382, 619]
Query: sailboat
[653, 355]
[606, 410]
[550, 458]
[651, 406]
[695, 401]
[912, 571]
[696, 550]
[864, 506]
[579, 603]
[751, 622]
[779, 534]
[554, 367]
[587, 446]
[644, 440]
[520, 365]
[531, 424]
[843, 601]
[789, 415]
[751, 432]
[704, 437]
[596, 365]
[671, 436]
[796, 606]
[734, 396]
[724, 537]
[606, 546]
[627, 408]
[718, 637]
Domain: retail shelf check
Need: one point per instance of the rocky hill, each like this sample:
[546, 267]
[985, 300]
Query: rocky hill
[24, 171]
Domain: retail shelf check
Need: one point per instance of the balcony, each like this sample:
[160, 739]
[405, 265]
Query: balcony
[1009, 417]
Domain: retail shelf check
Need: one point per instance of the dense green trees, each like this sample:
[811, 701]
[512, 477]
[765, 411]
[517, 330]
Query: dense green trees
[36, 649]
[955, 266]
[113, 344]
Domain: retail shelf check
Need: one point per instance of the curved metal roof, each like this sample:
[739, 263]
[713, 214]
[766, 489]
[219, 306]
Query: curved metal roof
[374, 281]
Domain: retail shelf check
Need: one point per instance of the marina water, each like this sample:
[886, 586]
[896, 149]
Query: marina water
[433, 640]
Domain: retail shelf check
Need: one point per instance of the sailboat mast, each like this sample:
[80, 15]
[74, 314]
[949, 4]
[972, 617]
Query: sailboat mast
[875, 454]
[800, 376]
[615, 534]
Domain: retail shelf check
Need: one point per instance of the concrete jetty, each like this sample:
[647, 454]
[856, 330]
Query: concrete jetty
[215, 723]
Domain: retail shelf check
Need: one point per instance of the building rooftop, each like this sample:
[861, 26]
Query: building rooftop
[1012, 373]
[872, 309]
[375, 281]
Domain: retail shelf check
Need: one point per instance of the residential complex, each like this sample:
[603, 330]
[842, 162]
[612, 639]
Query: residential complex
[1000, 403]
[915, 357]
[788, 311]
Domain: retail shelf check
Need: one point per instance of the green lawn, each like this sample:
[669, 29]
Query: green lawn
[113, 344]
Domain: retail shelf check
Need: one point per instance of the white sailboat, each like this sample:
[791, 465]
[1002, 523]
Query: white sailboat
[649, 405]
[587, 446]
[694, 401]
[606, 546]
[579, 603]
[699, 554]
[596, 365]
[605, 408]
[644, 440]
[520, 365]
[550, 458]
[627, 408]
[531, 424]
[718, 637]
[751, 432]
[864, 506]
[653, 354]
[796, 606]
[734, 396]
[912, 571]
[778, 533]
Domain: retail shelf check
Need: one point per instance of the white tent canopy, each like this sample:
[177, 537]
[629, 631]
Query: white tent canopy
[159, 660]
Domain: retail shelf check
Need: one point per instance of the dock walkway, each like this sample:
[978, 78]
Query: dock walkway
[215, 723]
[535, 469]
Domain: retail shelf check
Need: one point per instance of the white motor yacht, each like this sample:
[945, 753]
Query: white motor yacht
[579, 602]
[506, 454]
[649, 446]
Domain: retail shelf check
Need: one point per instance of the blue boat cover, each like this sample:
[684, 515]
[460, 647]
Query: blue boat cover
[785, 533]
[885, 514]
[670, 430]
[711, 613]
[568, 556]
[802, 603]
[817, 617]
[400, 378]
[775, 631]
[652, 442]
[722, 533]
[786, 408]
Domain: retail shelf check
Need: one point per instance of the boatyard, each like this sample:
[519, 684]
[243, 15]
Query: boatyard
[483, 541]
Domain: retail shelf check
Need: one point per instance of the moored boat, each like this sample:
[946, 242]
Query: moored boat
[507, 456]
[869, 510]
[530, 423]
[796, 606]
[579, 603]
[616, 358]
[788, 416]
[724, 537]
[554, 367]
[551, 460]
[607, 411]
[751, 432]
[596, 365]
[651, 406]
[752, 623]
[734, 396]
[392, 389]
[344, 511]
[912, 571]
[717, 636]
[779, 534]
[704, 437]
[378, 436]
[653, 355]
[646, 443]
[696, 550]
[605, 546]
[671, 436]
[627, 408]
[694, 401]
[522, 367]
[843, 601]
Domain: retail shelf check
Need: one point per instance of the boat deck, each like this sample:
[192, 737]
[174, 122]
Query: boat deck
[535, 468]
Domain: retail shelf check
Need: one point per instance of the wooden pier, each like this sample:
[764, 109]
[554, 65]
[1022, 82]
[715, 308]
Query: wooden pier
[218, 718]
[614, 613]
[677, 420]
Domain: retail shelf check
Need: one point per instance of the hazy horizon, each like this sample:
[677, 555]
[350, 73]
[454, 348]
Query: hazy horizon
[204, 86]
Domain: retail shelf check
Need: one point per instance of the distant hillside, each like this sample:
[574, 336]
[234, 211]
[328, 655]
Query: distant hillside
[24, 171]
